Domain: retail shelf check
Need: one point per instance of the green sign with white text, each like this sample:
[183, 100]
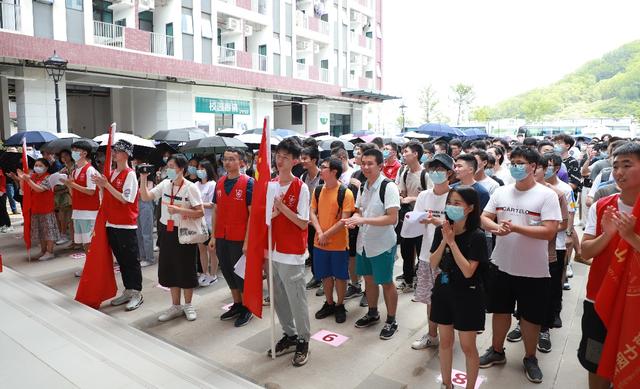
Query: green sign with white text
[230, 107]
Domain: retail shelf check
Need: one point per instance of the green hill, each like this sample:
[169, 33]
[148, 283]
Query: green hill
[609, 87]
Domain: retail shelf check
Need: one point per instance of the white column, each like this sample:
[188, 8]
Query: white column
[197, 31]
[87, 6]
[59, 20]
[35, 102]
[5, 120]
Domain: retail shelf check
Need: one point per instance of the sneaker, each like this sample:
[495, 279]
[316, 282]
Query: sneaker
[557, 321]
[135, 302]
[47, 257]
[400, 277]
[515, 335]
[244, 317]
[569, 271]
[408, 288]
[367, 321]
[62, 240]
[287, 344]
[492, 357]
[425, 341]
[302, 353]
[401, 285]
[124, 298]
[388, 330]
[532, 370]
[233, 311]
[363, 301]
[156, 249]
[171, 313]
[326, 310]
[266, 301]
[566, 286]
[313, 283]
[319, 292]
[341, 313]
[190, 312]
[544, 342]
[146, 263]
[78, 273]
[206, 280]
[353, 291]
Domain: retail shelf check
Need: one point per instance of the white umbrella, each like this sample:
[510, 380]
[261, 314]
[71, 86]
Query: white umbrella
[63, 135]
[255, 139]
[325, 137]
[134, 140]
[415, 135]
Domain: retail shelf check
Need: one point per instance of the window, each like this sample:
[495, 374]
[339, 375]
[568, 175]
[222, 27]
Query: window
[296, 114]
[187, 21]
[223, 121]
[74, 4]
[101, 11]
[145, 21]
[207, 30]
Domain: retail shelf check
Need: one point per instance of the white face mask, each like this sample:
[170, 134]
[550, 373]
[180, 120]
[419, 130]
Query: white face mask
[39, 169]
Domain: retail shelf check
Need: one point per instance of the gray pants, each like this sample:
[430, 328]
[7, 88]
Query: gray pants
[290, 299]
[145, 231]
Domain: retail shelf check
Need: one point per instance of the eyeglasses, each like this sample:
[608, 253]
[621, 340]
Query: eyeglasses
[324, 167]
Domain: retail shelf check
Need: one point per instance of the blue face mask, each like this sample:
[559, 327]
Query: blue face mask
[386, 154]
[424, 158]
[202, 174]
[549, 172]
[454, 212]
[489, 172]
[558, 149]
[165, 159]
[75, 155]
[438, 177]
[604, 154]
[192, 170]
[171, 174]
[518, 172]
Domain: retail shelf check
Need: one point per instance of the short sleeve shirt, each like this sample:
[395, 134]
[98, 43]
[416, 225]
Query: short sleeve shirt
[472, 245]
[429, 202]
[186, 196]
[328, 212]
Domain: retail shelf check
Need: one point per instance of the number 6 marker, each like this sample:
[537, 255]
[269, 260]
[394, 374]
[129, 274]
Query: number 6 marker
[330, 338]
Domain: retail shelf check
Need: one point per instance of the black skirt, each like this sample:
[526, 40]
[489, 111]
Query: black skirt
[176, 262]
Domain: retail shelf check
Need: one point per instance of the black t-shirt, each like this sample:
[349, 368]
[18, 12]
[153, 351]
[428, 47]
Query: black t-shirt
[473, 246]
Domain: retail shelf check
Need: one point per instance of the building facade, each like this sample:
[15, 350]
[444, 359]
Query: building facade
[153, 65]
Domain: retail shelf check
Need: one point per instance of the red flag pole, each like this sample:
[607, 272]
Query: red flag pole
[272, 301]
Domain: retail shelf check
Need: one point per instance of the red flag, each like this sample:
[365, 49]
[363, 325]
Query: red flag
[98, 282]
[617, 305]
[258, 228]
[26, 198]
[0, 263]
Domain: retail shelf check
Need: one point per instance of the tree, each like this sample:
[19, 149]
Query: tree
[482, 114]
[463, 96]
[428, 102]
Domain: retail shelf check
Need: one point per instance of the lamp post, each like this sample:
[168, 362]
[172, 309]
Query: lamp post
[56, 66]
[402, 108]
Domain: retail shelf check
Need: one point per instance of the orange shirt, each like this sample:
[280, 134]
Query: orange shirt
[327, 214]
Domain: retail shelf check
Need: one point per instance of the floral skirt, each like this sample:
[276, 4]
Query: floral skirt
[44, 227]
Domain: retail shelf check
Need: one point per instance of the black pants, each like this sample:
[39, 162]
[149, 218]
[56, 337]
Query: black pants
[124, 244]
[4, 215]
[310, 238]
[556, 269]
[409, 249]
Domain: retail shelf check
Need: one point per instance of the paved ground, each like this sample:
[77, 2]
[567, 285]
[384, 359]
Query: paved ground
[364, 361]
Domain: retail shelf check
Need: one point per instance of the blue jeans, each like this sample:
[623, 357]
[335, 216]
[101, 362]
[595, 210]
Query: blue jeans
[11, 190]
[145, 231]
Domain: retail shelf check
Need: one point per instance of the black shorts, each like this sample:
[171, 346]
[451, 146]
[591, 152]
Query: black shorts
[593, 335]
[531, 294]
[353, 239]
[229, 252]
[463, 307]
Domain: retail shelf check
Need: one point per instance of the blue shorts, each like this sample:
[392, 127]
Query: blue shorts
[380, 266]
[331, 264]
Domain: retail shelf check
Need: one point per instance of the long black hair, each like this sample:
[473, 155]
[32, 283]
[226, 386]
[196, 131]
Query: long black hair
[208, 167]
[470, 197]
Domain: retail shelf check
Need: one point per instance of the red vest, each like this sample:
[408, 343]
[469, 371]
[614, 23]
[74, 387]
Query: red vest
[600, 263]
[41, 202]
[81, 201]
[232, 213]
[287, 237]
[118, 212]
[3, 182]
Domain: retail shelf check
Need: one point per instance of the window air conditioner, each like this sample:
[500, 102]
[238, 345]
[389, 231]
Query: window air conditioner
[233, 24]
[248, 29]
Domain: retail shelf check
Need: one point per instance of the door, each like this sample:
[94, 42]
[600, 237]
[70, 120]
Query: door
[168, 31]
[262, 58]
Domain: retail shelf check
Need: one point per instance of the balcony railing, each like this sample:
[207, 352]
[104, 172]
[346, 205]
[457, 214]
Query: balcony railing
[361, 40]
[259, 6]
[324, 75]
[259, 62]
[324, 27]
[9, 16]
[107, 34]
[161, 44]
[227, 56]
[302, 71]
[312, 23]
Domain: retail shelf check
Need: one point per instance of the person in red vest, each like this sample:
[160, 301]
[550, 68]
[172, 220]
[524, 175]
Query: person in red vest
[85, 198]
[289, 223]
[602, 233]
[232, 204]
[44, 226]
[120, 199]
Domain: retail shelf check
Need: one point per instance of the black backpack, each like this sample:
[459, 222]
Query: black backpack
[423, 178]
[383, 188]
[342, 191]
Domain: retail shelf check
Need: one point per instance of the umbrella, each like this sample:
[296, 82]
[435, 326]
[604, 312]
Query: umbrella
[179, 135]
[326, 145]
[322, 138]
[134, 140]
[475, 133]
[11, 161]
[362, 132]
[253, 140]
[440, 129]
[211, 144]
[34, 138]
[56, 146]
[284, 133]
[230, 132]
[315, 134]
[62, 135]
[416, 135]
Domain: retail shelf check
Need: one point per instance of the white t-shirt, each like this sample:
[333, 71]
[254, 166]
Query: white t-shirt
[427, 202]
[561, 238]
[592, 217]
[187, 196]
[345, 177]
[303, 213]
[207, 191]
[79, 214]
[129, 193]
[505, 175]
[517, 254]
[489, 184]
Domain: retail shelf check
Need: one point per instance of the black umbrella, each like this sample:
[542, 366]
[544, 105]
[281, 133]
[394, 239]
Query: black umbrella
[326, 144]
[12, 161]
[34, 138]
[155, 157]
[56, 146]
[179, 135]
[212, 144]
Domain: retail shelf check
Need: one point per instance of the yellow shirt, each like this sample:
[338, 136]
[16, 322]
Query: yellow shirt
[328, 215]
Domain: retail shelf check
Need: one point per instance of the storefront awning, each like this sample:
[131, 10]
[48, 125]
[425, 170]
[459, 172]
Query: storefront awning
[367, 94]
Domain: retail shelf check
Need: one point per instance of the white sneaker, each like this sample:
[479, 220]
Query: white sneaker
[156, 249]
[136, 301]
[171, 313]
[78, 273]
[206, 280]
[425, 341]
[190, 312]
[569, 271]
[146, 263]
[124, 298]
[46, 257]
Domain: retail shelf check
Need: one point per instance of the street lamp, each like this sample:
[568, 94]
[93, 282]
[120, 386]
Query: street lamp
[55, 66]
[402, 108]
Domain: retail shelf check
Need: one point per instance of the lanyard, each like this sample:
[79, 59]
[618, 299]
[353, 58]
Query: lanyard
[173, 196]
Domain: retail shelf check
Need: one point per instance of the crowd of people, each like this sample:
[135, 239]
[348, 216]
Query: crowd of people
[499, 233]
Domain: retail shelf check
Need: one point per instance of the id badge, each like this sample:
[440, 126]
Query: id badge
[444, 278]
[170, 225]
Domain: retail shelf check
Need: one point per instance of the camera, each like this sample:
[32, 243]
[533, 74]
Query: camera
[145, 168]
